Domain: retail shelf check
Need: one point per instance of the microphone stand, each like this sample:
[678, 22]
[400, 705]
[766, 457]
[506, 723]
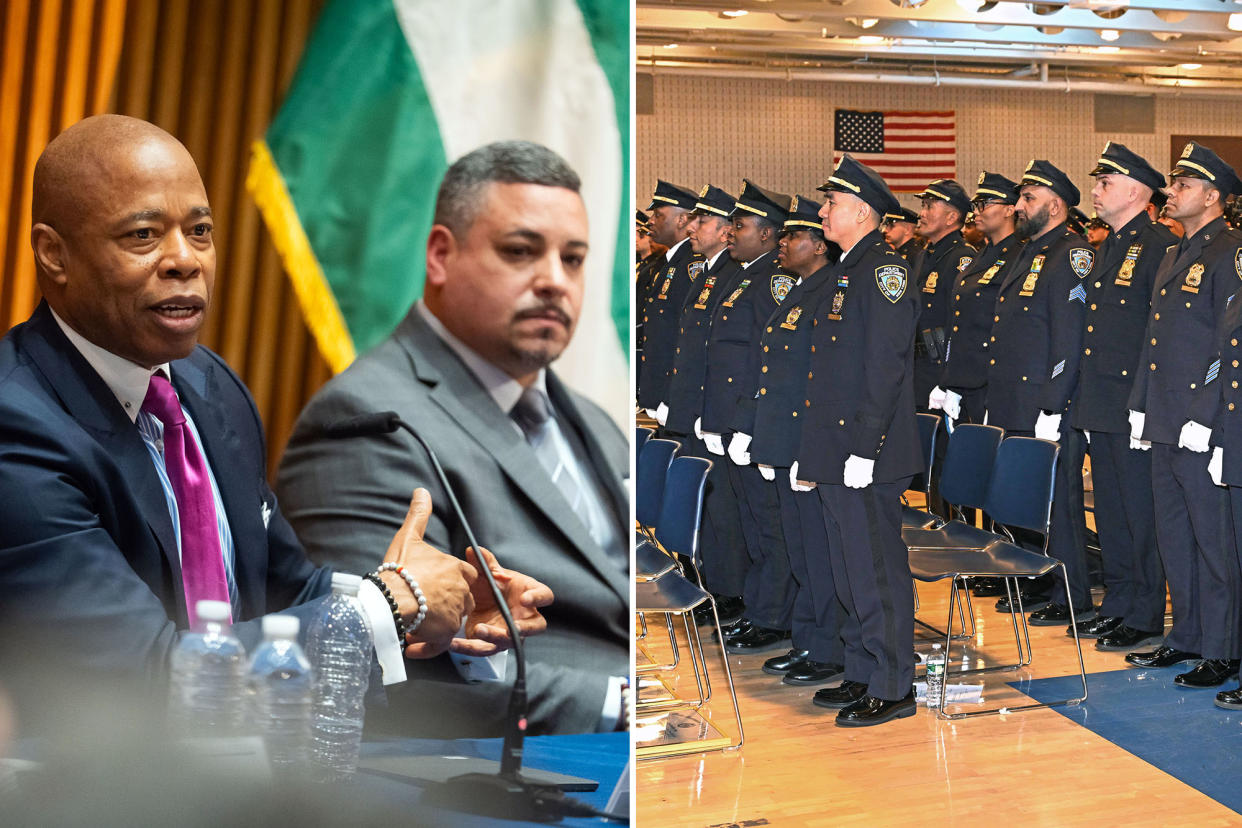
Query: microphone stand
[507, 793]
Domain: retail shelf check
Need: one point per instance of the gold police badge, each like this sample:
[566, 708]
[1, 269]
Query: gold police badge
[838, 300]
[728, 303]
[664, 288]
[1032, 277]
[1194, 277]
[930, 285]
[990, 273]
[791, 319]
[708, 284]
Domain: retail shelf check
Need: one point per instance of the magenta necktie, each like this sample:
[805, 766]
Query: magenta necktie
[202, 564]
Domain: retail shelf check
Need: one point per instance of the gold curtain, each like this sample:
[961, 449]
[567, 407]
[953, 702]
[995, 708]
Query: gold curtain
[212, 73]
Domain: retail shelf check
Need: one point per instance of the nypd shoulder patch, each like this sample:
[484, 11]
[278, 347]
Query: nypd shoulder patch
[780, 286]
[695, 269]
[1081, 259]
[1237, 262]
[892, 280]
[964, 263]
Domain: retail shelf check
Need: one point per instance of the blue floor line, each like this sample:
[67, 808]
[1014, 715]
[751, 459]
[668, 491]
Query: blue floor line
[1143, 712]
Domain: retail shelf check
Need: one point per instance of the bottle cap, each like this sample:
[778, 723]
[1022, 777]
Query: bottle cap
[281, 626]
[346, 583]
[213, 610]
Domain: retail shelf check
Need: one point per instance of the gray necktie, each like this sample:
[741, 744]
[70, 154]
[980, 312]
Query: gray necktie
[533, 413]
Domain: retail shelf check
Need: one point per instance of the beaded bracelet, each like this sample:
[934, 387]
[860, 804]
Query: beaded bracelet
[392, 603]
[418, 593]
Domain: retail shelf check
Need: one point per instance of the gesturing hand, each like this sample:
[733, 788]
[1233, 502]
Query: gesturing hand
[486, 632]
[446, 582]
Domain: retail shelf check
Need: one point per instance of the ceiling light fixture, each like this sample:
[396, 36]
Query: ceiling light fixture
[1190, 66]
[670, 45]
[870, 39]
[863, 22]
[734, 13]
[1235, 23]
[1109, 34]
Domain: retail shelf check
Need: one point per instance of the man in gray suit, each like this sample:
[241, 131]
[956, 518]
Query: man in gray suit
[538, 469]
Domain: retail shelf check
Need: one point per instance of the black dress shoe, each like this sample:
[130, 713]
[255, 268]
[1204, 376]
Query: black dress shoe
[1054, 615]
[1127, 638]
[869, 711]
[779, 665]
[738, 627]
[1161, 657]
[1030, 601]
[757, 640]
[812, 672]
[1097, 627]
[1211, 672]
[729, 608]
[1230, 699]
[842, 695]
[987, 587]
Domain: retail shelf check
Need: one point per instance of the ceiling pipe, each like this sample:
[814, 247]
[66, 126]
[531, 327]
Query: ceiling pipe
[1224, 91]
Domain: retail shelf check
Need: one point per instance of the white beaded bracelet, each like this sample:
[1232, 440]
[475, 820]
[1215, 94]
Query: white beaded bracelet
[413, 584]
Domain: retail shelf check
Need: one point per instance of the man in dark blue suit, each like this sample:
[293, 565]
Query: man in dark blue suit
[91, 548]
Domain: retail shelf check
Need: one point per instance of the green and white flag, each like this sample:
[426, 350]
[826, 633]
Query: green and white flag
[388, 94]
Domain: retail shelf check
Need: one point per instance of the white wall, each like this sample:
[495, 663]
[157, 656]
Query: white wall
[779, 134]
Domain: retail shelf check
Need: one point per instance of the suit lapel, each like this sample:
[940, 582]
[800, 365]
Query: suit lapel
[456, 391]
[1174, 262]
[87, 398]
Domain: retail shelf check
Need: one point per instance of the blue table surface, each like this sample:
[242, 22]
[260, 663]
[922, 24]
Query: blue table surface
[598, 756]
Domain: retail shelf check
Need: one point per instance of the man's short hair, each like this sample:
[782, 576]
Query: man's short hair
[504, 162]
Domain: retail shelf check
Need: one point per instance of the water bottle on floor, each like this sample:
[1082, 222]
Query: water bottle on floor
[207, 682]
[935, 676]
[339, 645]
[280, 684]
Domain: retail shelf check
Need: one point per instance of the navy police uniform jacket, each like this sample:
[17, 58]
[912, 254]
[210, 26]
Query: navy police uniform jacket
[974, 301]
[784, 366]
[941, 265]
[1118, 302]
[685, 390]
[668, 294]
[1037, 330]
[912, 252]
[745, 306]
[861, 400]
[1178, 367]
[1227, 428]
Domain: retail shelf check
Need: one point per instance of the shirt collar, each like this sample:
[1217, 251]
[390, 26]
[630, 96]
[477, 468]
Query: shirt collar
[668, 255]
[712, 261]
[502, 388]
[127, 380]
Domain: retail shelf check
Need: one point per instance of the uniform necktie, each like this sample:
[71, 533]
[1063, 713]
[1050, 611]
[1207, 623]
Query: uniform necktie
[533, 413]
[202, 564]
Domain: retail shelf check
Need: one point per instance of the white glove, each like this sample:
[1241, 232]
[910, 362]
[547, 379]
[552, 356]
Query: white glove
[1195, 437]
[936, 398]
[713, 442]
[952, 405]
[858, 472]
[797, 485]
[1087, 435]
[650, 412]
[738, 449]
[1216, 465]
[661, 413]
[1140, 445]
[1048, 427]
[766, 472]
[698, 427]
[1137, 419]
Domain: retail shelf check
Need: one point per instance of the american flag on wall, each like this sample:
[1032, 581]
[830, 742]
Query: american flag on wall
[908, 149]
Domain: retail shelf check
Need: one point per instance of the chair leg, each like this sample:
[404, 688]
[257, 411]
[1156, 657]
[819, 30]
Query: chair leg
[724, 657]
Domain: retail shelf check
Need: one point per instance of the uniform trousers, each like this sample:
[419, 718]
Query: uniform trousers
[817, 612]
[1195, 536]
[871, 570]
[769, 587]
[1067, 536]
[1133, 574]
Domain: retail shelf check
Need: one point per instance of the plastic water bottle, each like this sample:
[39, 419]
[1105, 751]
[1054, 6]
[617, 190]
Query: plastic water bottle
[207, 685]
[339, 643]
[280, 684]
[935, 675]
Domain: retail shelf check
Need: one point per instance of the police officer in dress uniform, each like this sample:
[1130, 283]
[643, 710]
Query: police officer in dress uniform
[649, 257]
[817, 652]
[898, 228]
[860, 446]
[962, 389]
[720, 532]
[670, 225]
[1225, 467]
[945, 205]
[1173, 405]
[1118, 303]
[768, 587]
[1035, 345]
